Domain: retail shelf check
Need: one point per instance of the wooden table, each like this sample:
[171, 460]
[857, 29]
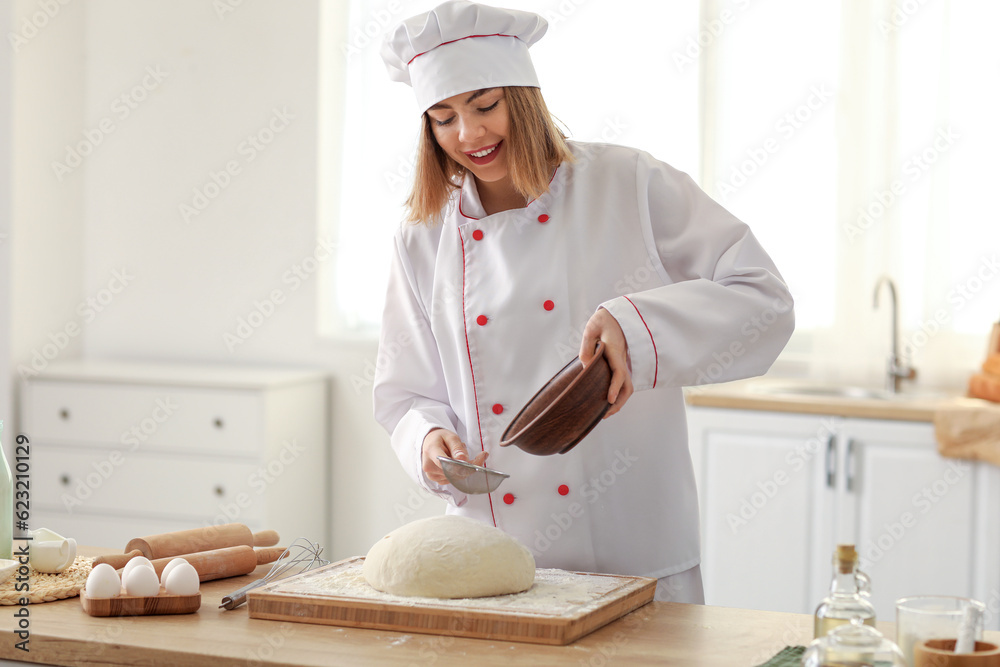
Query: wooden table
[656, 634]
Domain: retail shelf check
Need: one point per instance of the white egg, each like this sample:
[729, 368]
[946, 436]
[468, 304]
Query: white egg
[183, 580]
[138, 561]
[142, 581]
[103, 582]
[170, 566]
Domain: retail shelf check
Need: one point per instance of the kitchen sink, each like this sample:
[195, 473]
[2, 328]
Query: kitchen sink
[843, 391]
[830, 391]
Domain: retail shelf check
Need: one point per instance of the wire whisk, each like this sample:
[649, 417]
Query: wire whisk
[300, 556]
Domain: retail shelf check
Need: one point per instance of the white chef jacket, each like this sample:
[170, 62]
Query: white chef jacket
[483, 309]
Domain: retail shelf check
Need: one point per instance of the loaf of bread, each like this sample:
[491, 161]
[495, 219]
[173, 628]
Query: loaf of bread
[985, 386]
[992, 366]
[993, 347]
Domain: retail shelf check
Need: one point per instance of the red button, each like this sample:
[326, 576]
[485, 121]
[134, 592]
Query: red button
[563, 490]
[478, 235]
[509, 498]
[497, 409]
[482, 320]
[549, 305]
[543, 218]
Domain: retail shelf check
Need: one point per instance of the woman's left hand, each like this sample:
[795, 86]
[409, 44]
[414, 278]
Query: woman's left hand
[603, 327]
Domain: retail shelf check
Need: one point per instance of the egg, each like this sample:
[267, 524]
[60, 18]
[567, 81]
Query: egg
[142, 581]
[138, 561]
[103, 582]
[170, 566]
[183, 580]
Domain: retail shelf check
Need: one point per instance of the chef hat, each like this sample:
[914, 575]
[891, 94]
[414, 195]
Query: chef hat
[460, 46]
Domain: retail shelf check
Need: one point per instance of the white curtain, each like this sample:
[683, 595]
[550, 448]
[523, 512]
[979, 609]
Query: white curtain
[857, 138]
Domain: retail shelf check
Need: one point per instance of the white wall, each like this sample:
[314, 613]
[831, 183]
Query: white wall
[47, 230]
[169, 92]
[6, 386]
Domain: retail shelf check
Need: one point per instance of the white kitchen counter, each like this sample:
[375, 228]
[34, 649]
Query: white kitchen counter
[766, 394]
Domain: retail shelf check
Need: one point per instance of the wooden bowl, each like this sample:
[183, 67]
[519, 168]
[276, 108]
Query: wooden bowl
[941, 653]
[564, 411]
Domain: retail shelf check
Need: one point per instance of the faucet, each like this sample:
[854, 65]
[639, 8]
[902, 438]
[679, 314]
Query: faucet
[896, 370]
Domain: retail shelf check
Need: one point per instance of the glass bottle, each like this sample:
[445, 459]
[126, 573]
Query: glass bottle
[6, 505]
[846, 599]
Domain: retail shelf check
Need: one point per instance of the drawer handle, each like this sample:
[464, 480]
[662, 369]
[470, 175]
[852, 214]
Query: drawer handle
[220, 490]
[64, 480]
[851, 471]
[831, 462]
[218, 422]
[64, 414]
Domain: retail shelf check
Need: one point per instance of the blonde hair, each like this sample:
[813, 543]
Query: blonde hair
[535, 146]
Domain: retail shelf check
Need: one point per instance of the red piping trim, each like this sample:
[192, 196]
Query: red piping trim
[468, 350]
[496, 34]
[463, 212]
[656, 359]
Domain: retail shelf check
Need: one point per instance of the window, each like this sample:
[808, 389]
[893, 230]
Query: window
[599, 98]
[771, 95]
[857, 139]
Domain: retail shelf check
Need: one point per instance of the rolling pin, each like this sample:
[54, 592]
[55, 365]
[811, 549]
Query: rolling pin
[117, 561]
[197, 540]
[210, 565]
[227, 562]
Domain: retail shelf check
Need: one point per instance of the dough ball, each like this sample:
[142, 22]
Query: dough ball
[449, 557]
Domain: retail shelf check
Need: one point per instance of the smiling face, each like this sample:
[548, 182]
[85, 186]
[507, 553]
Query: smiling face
[472, 129]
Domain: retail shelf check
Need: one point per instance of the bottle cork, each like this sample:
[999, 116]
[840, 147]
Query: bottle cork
[847, 558]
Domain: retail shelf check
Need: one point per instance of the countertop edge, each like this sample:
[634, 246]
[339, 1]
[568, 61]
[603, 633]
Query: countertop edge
[766, 395]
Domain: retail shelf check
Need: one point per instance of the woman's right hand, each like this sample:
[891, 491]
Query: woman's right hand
[442, 442]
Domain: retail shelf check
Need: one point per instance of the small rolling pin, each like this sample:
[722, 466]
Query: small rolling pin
[201, 539]
[191, 541]
[210, 565]
[222, 563]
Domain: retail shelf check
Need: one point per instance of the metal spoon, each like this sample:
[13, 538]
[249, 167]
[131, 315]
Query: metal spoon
[470, 478]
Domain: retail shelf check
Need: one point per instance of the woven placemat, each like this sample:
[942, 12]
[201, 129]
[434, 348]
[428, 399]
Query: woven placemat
[48, 587]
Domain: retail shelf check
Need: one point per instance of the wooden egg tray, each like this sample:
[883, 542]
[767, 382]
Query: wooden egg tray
[140, 605]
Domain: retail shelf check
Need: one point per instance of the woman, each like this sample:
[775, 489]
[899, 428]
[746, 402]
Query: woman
[524, 250]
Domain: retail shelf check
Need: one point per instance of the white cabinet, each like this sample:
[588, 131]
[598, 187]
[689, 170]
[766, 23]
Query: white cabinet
[778, 491]
[912, 513]
[763, 504]
[125, 450]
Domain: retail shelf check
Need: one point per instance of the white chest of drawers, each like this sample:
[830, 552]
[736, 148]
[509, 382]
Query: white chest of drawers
[123, 450]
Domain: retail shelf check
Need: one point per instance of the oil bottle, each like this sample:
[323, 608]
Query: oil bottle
[6, 505]
[845, 600]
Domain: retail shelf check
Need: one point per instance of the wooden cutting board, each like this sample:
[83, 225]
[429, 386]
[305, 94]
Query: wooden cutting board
[559, 608]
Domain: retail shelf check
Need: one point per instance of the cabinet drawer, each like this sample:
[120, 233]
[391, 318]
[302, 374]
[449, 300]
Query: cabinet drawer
[140, 485]
[144, 416]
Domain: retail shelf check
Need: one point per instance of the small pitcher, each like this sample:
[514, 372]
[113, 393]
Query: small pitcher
[50, 552]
